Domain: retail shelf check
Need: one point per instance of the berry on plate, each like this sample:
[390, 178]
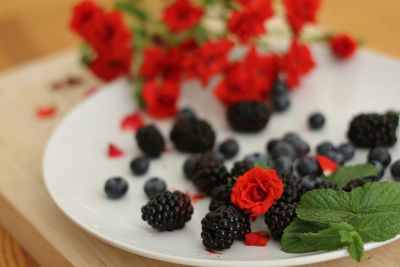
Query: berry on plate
[248, 116]
[381, 155]
[116, 187]
[229, 148]
[154, 186]
[150, 141]
[395, 170]
[316, 121]
[140, 165]
[279, 216]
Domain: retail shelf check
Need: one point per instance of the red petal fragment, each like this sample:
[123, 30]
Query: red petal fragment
[46, 112]
[258, 239]
[211, 251]
[114, 151]
[327, 165]
[91, 91]
[132, 122]
[74, 80]
[57, 85]
[196, 197]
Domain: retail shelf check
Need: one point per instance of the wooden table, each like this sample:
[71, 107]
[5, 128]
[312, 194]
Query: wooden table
[29, 29]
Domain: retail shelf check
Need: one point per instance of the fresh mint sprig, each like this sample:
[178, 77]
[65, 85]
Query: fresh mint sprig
[346, 174]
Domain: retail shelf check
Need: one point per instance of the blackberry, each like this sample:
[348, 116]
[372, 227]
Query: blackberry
[371, 130]
[279, 216]
[357, 183]
[221, 196]
[241, 167]
[220, 228]
[283, 165]
[209, 176]
[192, 135]
[292, 189]
[168, 211]
[150, 141]
[248, 116]
[185, 113]
[194, 162]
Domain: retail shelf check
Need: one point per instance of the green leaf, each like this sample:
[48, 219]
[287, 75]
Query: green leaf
[137, 90]
[261, 165]
[345, 174]
[355, 244]
[131, 9]
[378, 228]
[86, 54]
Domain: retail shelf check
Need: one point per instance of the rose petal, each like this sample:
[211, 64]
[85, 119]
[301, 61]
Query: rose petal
[46, 112]
[259, 239]
[327, 165]
[90, 91]
[132, 122]
[114, 151]
[74, 80]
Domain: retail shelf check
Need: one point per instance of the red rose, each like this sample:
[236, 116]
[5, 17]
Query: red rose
[212, 58]
[300, 12]
[296, 63]
[257, 190]
[113, 64]
[343, 46]
[182, 15]
[161, 98]
[246, 24]
[261, 8]
[83, 15]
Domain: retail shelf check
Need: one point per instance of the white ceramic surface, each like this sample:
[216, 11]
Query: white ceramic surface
[76, 166]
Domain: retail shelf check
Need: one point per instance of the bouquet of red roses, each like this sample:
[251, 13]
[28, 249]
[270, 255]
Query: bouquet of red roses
[159, 53]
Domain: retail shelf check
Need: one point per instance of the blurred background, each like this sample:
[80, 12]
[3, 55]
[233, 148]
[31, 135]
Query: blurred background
[31, 29]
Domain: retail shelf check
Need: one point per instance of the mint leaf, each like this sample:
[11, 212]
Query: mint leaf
[345, 174]
[378, 228]
[355, 244]
[261, 165]
[332, 207]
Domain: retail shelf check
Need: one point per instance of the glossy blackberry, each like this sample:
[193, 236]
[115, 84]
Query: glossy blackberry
[168, 211]
[194, 162]
[248, 116]
[150, 141]
[221, 196]
[220, 228]
[185, 114]
[371, 130]
[241, 167]
[381, 155]
[192, 136]
[279, 216]
[116, 187]
[210, 176]
[229, 148]
[292, 189]
[357, 183]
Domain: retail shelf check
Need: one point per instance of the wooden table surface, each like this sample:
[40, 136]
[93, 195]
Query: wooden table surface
[33, 29]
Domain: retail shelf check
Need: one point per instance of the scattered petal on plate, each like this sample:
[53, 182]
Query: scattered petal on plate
[45, 112]
[211, 251]
[196, 197]
[90, 91]
[74, 80]
[57, 85]
[327, 165]
[258, 239]
[114, 151]
[132, 122]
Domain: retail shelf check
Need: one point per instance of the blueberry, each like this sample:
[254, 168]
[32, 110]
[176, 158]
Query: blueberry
[283, 165]
[395, 170]
[257, 157]
[380, 154]
[154, 186]
[229, 148]
[292, 137]
[380, 168]
[271, 144]
[308, 166]
[283, 148]
[140, 165]
[336, 157]
[280, 103]
[325, 147]
[308, 182]
[347, 150]
[316, 121]
[301, 147]
[116, 187]
[280, 87]
[185, 114]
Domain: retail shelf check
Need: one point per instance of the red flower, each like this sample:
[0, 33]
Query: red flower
[257, 190]
[263, 69]
[113, 64]
[83, 16]
[160, 63]
[161, 99]
[261, 8]
[182, 15]
[211, 59]
[296, 63]
[300, 12]
[343, 46]
[246, 24]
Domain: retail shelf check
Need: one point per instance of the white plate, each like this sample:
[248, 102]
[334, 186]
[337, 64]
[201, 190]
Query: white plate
[76, 166]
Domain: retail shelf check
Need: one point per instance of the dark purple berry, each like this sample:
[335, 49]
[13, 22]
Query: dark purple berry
[347, 150]
[316, 121]
[116, 187]
[283, 165]
[280, 87]
[380, 154]
[257, 157]
[185, 114]
[283, 148]
[308, 166]
[154, 186]
[308, 182]
[229, 148]
[271, 144]
[336, 157]
[395, 170]
[324, 148]
[140, 165]
[280, 102]
[380, 168]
